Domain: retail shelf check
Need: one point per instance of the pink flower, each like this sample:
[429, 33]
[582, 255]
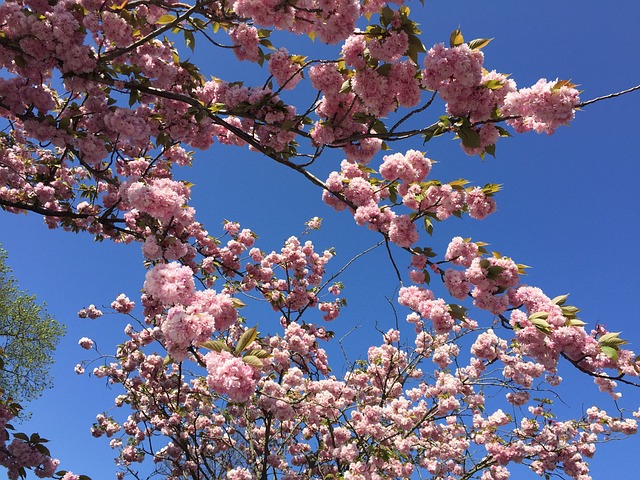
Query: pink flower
[161, 198]
[394, 46]
[170, 283]
[286, 72]
[452, 66]
[479, 204]
[409, 168]
[247, 42]
[543, 107]
[90, 312]
[456, 283]
[231, 376]
[314, 224]
[122, 304]
[180, 329]
[403, 232]
[460, 252]
[70, 476]
[85, 343]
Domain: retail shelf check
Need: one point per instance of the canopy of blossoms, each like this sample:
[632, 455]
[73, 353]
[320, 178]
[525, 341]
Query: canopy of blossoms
[101, 107]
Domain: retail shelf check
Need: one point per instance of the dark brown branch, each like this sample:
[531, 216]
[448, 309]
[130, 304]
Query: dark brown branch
[618, 378]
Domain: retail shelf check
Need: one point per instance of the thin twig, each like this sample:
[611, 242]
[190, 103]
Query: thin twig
[605, 97]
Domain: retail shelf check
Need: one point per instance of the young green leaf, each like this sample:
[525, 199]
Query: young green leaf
[246, 339]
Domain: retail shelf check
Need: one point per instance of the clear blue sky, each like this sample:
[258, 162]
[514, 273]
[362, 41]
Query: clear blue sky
[568, 208]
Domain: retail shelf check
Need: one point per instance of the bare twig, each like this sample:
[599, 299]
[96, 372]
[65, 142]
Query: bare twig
[606, 97]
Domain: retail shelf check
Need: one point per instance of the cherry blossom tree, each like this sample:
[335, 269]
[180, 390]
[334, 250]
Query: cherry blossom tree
[102, 108]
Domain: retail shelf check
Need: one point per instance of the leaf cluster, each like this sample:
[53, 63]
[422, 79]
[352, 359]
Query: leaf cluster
[28, 338]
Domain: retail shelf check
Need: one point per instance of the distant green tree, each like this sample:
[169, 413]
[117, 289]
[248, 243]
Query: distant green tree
[28, 338]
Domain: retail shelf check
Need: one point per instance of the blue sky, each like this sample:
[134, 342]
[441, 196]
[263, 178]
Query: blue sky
[568, 209]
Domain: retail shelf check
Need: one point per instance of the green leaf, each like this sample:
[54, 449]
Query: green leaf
[493, 84]
[415, 46]
[610, 352]
[215, 345]
[503, 131]
[428, 225]
[611, 340]
[393, 193]
[491, 150]
[479, 43]
[189, 39]
[569, 310]
[42, 449]
[491, 188]
[542, 325]
[267, 43]
[470, 137]
[259, 353]
[134, 96]
[384, 69]
[237, 303]
[456, 39]
[459, 183]
[346, 86]
[427, 276]
[253, 361]
[560, 299]
[494, 271]
[165, 19]
[386, 15]
[562, 83]
[574, 322]
[457, 311]
[246, 339]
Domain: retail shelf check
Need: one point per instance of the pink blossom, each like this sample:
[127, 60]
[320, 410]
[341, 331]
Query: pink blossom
[217, 308]
[229, 375]
[353, 51]
[70, 476]
[461, 252]
[286, 72]
[326, 77]
[445, 67]
[391, 48]
[180, 329]
[314, 224]
[247, 42]
[170, 283]
[122, 304]
[543, 107]
[456, 283]
[85, 343]
[480, 205]
[90, 312]
[409, 168]
[402, 231]
[161, 198]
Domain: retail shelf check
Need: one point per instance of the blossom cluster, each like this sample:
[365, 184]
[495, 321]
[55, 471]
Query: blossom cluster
[238, 402]
[404, 175]
[23, 452]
